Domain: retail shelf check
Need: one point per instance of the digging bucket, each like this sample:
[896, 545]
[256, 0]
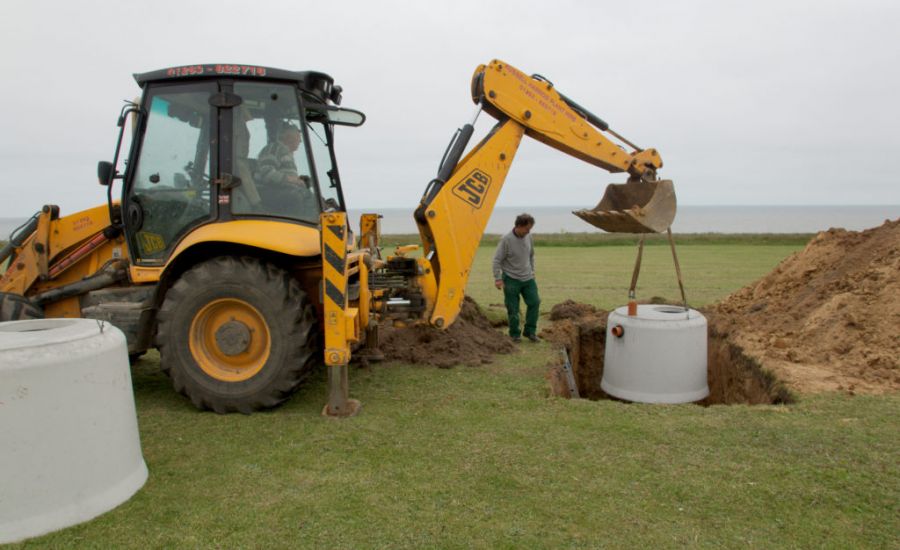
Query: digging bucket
[634, 207]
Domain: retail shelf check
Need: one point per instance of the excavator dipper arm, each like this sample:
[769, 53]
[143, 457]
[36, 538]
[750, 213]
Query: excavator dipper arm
[555, 120]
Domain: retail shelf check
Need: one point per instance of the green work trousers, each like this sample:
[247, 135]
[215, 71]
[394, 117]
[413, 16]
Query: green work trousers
[512, 289]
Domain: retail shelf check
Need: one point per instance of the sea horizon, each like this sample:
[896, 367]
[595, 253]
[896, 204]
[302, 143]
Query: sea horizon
[690, 219]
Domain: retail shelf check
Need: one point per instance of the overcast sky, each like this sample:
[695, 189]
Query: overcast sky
[765, 102]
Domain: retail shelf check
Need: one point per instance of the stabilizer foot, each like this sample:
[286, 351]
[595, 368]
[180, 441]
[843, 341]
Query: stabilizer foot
[350, 408]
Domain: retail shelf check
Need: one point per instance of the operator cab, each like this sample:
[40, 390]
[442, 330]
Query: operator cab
[227, 142]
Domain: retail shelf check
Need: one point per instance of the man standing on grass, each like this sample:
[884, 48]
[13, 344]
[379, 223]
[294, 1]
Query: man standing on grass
[514, 273]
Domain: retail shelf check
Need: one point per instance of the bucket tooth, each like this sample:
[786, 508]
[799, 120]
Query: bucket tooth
[634, 207]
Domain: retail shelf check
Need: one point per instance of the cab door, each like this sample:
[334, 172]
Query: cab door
[169, 190]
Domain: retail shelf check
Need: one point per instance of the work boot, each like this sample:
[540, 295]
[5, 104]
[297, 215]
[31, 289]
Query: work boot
[533, 338]
[516, 339]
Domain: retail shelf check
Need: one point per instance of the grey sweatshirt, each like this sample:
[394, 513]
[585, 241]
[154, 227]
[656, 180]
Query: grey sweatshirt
[515, 257]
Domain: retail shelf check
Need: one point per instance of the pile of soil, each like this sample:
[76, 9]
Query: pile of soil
[826, 318]
[470, 340]
[574, 310]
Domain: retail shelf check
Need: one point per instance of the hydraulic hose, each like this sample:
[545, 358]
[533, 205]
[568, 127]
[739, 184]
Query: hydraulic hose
[112, 273]
[18, 237]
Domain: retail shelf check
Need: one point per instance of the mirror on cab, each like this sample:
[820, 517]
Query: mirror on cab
[336, 115]
[345, 117]
[105, 172]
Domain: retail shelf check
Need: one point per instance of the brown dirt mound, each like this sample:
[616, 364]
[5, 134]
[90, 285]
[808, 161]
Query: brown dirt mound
[825, 318]
[471, 340]
[572, 310]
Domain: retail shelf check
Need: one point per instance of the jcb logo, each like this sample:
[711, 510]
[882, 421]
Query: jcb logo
[473, 188]
[150, 243]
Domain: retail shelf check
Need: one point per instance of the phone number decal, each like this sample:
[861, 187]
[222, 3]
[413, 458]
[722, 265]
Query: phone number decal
[195, 70]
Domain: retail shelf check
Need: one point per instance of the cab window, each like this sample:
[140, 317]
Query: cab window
[270, 156]
[170, 189]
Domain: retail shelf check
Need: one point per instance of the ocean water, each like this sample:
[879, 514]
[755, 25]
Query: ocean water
[690, 219]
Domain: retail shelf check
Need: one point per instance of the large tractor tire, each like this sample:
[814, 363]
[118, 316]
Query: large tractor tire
[18, 308]
[236, 334]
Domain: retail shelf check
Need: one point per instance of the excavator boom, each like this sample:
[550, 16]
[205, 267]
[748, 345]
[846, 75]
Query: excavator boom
[456, 206]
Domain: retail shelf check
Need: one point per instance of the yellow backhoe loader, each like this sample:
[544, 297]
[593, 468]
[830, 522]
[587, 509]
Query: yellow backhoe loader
[228, 247]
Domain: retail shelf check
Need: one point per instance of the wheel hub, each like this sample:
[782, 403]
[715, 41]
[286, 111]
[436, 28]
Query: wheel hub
[230, 340]
[233, 338]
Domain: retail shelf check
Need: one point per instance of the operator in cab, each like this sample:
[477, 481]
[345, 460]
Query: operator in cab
[283, 189]
[276, 160]
[514, 274]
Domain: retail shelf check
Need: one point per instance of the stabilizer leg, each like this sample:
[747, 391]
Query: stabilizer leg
[339, 403]
[341, 322]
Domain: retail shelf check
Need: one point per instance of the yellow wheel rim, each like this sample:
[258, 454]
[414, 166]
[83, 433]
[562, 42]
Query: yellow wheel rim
[230, 340]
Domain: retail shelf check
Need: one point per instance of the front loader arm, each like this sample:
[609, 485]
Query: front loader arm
[456, 206]
[47, 248]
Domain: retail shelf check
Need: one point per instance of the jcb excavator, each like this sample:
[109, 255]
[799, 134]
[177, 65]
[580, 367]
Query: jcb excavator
[229, 249]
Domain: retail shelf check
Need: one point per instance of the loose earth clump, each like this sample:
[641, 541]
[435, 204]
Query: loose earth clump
[825, 319]
[470, 340]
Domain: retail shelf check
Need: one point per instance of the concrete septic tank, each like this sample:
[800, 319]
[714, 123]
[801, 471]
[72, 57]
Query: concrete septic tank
[656, 356]
[69, 443]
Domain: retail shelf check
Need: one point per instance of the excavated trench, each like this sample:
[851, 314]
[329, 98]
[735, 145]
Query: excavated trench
[733, 376]
[825, 319]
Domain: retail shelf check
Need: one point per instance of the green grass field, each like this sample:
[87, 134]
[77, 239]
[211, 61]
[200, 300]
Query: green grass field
[480, 457]
[601, 276]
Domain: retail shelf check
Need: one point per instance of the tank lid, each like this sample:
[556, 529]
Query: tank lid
[661, 312]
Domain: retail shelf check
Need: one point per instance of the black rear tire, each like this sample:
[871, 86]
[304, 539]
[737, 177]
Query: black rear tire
[237, 335]
[14, 307]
